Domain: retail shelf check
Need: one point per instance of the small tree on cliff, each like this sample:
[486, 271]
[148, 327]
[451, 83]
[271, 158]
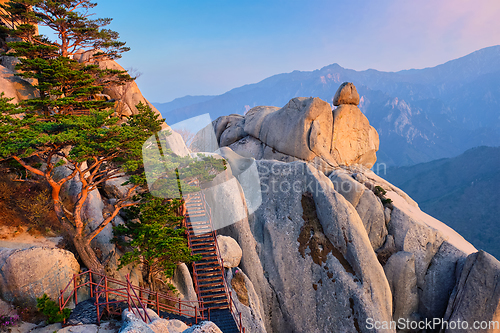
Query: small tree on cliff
[153, 231]
[95, 148]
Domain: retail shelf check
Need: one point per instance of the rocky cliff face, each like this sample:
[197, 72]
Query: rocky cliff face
[340, 249]
[330, 247]
[304, 129]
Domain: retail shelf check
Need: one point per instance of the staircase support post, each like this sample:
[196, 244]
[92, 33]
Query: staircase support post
[157, 304]
[97, 308]
[106, 292]
[90, 284]
[75, 289]
[128, 294]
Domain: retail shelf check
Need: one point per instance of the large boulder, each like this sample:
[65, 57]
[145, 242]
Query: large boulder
[304, 129]
[439, 281]
[436, 247]
[400, 272]
[246, 300]
[354, 140]
[307, 240]
[132, 323]
[114, 188]
[173, 141]
[14, 87]
[184, 283]
[346, 185]
[203, 327]
[476, 296]
[127, 95]
[346, 94]
[230, 251]
[27, 274]
[176, 326]
[371, 212]
[231, 128]
[93, 217]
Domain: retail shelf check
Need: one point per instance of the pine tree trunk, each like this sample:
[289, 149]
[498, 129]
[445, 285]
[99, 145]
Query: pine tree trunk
[87, 255]
[85, 251]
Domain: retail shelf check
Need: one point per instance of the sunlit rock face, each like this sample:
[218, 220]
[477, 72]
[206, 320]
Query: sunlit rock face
[304, 129]
[340, 252]
[14, 87]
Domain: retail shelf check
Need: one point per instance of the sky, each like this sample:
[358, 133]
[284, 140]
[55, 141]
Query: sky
[195, 47]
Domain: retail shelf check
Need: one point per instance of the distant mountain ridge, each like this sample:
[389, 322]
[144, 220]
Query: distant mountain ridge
[461, 191]
[420, 114]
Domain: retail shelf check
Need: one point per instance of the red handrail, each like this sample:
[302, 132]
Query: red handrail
[146, 316]
[128, 293]
[232, 305]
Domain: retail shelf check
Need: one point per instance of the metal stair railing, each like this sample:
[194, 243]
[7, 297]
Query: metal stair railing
[232, 305]
[137, 298]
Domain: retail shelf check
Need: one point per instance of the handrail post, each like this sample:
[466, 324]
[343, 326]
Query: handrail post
[97, 308]
[196, 315]
[106, 292]
[157, 304]
[128, 294]
[230, 301]
[90, 284]
[74, 288]
[61, 299]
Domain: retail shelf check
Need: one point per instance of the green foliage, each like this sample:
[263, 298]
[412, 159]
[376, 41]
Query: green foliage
[50, 308]
[69, 19]
[386, 201]
[379, 191]
[65, 85]
[169, 174]
[67, 123]
[88, 138]
[154, 234]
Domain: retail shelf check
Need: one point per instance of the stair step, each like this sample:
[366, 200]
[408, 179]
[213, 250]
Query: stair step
[216, 270]
[211, 281]
[199, 243]
[196, 214]
[209, 236]
[210, 255]
[209, 269]
[218, 288]
[200, 222]
[215, 297]
[210, 252]
[215, 301]
[209, 246]
[207, 262]
[199, 226]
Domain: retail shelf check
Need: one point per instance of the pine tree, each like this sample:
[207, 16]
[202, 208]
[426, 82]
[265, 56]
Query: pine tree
[67, 126]
[95, 148]
[65, 85]
[156, 237]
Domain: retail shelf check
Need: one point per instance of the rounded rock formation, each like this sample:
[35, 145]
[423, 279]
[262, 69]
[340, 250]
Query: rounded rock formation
[26, 274]
[230, 251]
[346, 94]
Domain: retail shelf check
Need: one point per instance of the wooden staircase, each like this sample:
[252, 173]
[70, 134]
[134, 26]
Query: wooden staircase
[208, 272]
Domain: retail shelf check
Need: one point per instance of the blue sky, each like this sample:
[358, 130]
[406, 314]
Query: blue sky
[194, 47]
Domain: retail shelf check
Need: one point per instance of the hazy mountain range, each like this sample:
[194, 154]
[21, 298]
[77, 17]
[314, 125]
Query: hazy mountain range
[420, 114]
[460, 191]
